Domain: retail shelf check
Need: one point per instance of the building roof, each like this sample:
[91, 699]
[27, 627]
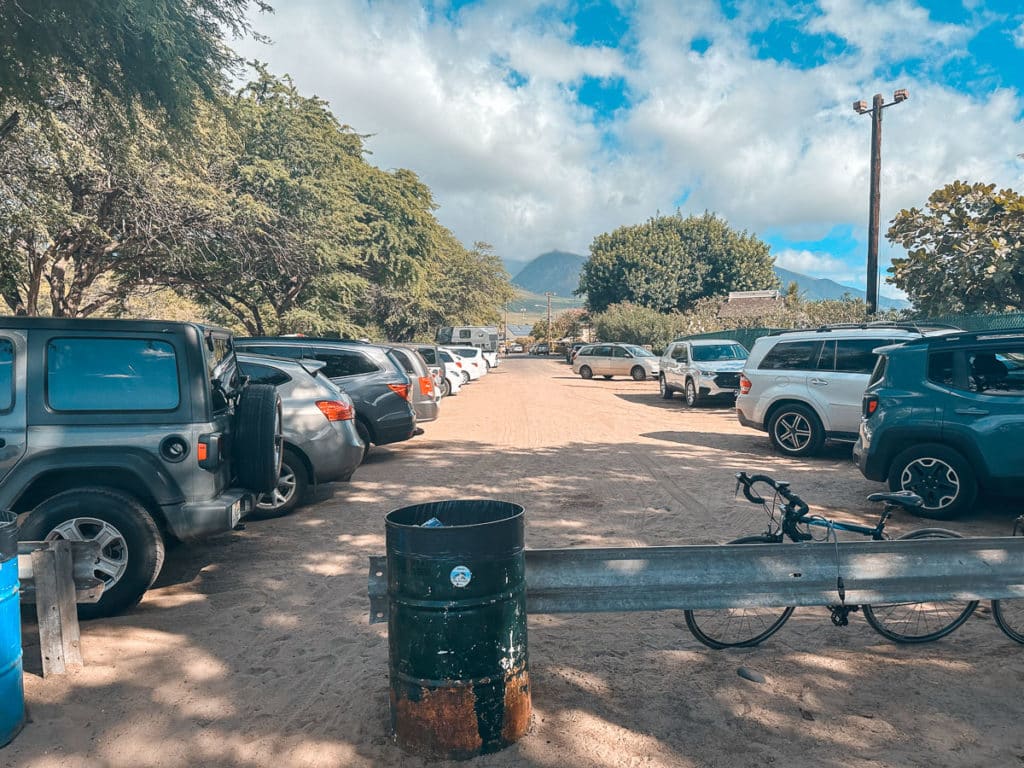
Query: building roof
[741, 304]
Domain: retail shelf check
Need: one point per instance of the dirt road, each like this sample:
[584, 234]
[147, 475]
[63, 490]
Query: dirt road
[254, 649]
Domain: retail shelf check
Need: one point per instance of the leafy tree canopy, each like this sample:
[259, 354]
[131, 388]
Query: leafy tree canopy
[670, 262]
[965, 250]
[165, 54]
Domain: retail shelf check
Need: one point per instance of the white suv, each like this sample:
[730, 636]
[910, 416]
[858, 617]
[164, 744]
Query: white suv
[806, 387]
[701, 369]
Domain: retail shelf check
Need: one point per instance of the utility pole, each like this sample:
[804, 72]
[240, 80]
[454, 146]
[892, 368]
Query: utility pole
[875, 191]
[549, 294]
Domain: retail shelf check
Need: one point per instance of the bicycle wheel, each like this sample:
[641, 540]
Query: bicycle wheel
[919, 622]
[737, 627]
[1009, 616]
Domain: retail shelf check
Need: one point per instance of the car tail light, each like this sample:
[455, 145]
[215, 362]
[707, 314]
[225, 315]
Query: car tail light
[870, 405]
[426, 386]
[745, 385]
[402, 390]
[335, 411]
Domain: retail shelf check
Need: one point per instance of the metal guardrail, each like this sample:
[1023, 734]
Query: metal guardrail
[728, 576]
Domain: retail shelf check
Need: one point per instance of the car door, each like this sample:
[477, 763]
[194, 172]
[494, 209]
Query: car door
[843, 369]
[986, 408]
[678, 361]
[621, 362]
[13, 424]
[601, 360]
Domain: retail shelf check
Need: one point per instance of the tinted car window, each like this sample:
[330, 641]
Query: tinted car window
[404, 360]
[603, 351]
[85, 374]
[636, 351]
[679, 353]
[792, 356]
[446, 356]
[6, 375]
[997, 371]
[264, 374]
[428, 354]
[827, 356]
[619, 352]
[708, 353]
[344, 362]
[295, 351]
[940, 368]
[856, 355]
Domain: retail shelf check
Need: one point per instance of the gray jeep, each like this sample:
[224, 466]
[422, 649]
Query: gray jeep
[129, 433]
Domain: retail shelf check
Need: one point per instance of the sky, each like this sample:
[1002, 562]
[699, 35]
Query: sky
[540, 125]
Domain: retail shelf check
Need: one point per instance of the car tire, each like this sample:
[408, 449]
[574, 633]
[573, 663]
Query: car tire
[258, 445]
[132, 552]
[465, 377]
[941, 476]
[690, 394]
[606, 375]
[292, 484]
[364, 434]
[585, 372]
[638, 373]
[795, 430]
[664, 388]
[446, 388]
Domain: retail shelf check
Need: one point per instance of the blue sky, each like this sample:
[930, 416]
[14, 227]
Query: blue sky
[540, 125]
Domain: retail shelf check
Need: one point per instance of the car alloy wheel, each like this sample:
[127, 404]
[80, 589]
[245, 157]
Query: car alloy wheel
[282, 494]
[933, 480]
[691, 393]
[113, 560]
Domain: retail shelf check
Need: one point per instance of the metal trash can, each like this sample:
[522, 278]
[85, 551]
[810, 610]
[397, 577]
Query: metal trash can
[457, 627]
[12, 692]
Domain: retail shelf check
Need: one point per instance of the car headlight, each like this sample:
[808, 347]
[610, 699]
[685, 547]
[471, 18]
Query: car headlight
[707, 373]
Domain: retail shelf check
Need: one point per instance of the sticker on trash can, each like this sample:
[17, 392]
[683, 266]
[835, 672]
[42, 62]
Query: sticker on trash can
[460, 576]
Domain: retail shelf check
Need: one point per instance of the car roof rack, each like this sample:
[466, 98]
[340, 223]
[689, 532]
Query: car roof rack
[907, 325]
[986, 334]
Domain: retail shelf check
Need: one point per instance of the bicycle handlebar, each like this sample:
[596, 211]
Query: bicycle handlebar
[795, 504]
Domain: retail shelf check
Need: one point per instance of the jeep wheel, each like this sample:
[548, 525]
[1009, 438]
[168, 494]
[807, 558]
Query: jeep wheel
[291, 488]
[795, 430]
[131, 547]
[939, 475]
[690, 394]
[258, 446]
[664, 388]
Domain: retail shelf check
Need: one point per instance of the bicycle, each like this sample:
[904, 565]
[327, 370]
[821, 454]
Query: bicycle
[899, 622]
[1009, 614]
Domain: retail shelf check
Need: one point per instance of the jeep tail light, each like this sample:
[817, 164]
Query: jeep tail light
[426, 386]
[202, 451]
[402, 390]
[336, 411]
[745, 385]
[870, 405]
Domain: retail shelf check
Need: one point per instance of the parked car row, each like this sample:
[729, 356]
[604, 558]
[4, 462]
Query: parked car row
[131, 433]
[933, 410]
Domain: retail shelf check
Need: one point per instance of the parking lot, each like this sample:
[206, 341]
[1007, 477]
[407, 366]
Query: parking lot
[254, 648]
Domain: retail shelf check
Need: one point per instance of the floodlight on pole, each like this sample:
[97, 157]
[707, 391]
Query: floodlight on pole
[874, 197]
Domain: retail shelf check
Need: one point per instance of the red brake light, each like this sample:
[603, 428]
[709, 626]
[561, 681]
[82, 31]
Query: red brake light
[745, 385]
[202, 452]
[335, 411]
[870, 405]
[426, 386]
[402, 390]
[458, 364]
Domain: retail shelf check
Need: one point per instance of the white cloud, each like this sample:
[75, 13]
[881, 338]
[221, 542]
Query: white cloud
[1018, 36]
[763, 143]
[814, 264]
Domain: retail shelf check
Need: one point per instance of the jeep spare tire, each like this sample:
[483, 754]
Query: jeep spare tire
[257, 443]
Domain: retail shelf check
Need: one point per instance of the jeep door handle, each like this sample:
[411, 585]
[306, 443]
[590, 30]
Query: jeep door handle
[971, 412]
[819, 382]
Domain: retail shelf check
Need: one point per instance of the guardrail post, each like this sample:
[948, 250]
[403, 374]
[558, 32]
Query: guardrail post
[59, 638]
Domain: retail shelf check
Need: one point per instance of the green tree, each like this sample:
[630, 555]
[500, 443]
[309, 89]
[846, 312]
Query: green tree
[965, 250]
[164, 55]
[670, 262]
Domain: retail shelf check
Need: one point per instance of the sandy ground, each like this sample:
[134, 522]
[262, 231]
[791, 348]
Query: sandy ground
[254, 649]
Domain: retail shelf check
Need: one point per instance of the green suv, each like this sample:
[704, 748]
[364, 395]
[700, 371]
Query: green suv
[944, 416]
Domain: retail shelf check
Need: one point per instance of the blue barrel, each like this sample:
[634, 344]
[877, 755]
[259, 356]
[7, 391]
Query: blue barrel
[12, 691]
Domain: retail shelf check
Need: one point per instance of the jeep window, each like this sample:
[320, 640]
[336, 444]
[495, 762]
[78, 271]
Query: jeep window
[264, 374]
[857, 355]
[879, 373]
[222, 369]
[6, 375]
[710, 353]
[940, 368]
[84, 374]
[345, 362]
[792, 356]
[997, 371]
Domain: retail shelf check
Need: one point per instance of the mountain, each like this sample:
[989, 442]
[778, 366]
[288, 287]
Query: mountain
[556, 271]
[818, 288]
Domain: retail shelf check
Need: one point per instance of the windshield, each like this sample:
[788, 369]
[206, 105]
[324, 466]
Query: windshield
[708, 353]
[466, 351]
[636, 351]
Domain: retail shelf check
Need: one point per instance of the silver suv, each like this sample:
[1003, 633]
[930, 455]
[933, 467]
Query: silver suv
[806, 387]
[701, 369]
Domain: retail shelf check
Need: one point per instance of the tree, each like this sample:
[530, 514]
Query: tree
[165, 55]
[670, 262]
[965, 250]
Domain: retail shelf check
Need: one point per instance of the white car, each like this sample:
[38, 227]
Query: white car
[473, 364]
[806, 387]
[615, 360]
[452, 371]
